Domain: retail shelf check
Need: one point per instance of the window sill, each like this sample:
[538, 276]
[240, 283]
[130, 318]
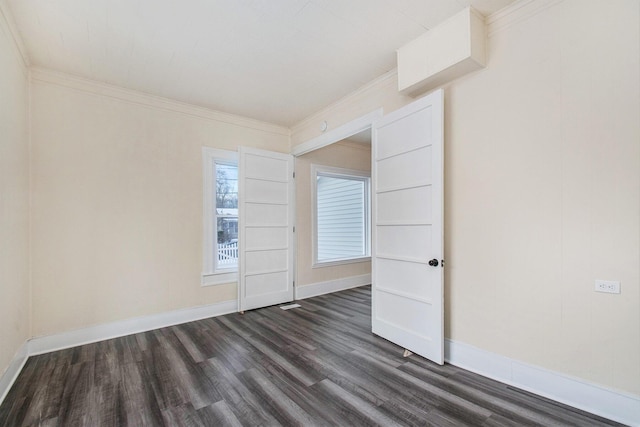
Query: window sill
[332, 263]
[219, 278]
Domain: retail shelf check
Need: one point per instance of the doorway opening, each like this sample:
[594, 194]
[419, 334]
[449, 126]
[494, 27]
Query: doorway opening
[333, 227]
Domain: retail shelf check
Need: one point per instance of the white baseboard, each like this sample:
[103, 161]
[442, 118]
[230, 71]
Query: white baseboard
[13, 370]
[122, 328]
[321, 288]
[598, 400]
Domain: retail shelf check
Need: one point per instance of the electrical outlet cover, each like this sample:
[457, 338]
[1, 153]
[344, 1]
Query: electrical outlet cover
[608, 286]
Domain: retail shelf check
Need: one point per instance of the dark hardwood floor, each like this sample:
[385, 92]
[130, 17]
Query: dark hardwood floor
[314, 365]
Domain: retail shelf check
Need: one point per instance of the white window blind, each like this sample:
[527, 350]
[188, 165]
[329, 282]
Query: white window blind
[342, 216]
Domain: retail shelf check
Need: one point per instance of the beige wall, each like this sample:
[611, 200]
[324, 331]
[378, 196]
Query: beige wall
[14, 200]
[542, 189]
[346, 155]
[117, 202]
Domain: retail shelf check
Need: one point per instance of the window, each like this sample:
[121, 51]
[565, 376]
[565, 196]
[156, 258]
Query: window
[341, 215]
[220, 172]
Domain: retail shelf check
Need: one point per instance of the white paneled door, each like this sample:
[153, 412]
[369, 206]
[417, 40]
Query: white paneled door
[266, 204]
[407, 247]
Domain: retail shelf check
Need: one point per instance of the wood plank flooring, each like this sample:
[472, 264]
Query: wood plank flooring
[314, 365]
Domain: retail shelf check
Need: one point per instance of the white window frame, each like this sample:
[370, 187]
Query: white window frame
[347, 174]
[211, 275]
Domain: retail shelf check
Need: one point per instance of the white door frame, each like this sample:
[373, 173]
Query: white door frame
[338, 134]
[351, 128]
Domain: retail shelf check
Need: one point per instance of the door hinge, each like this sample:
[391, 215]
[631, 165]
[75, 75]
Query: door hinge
[294, 175]
[294, 228]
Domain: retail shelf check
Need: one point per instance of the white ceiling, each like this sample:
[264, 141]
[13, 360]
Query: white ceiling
[273, 60]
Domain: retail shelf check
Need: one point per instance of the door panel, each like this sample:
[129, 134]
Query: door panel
[267, 191]
[414, 129]
[261, 166]
[261, 238]
[404, 169]
[265, 285]
[402, 276]
[266, 228]
[405, 241]
[405, 206]
[266, 215]
[403, 311]
[408, 304]
[259, 261]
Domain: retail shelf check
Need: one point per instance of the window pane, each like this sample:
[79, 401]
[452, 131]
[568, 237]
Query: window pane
[341, 218]
[227, 214]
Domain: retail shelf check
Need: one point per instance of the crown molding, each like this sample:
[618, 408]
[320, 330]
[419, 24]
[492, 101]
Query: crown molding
[7, 24]
[151, 101]
[516, 12]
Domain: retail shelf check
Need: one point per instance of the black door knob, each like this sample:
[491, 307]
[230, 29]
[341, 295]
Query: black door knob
[433, 263]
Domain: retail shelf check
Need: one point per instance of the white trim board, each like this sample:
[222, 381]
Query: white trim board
[123, 328]
[338, 134]
[598, 400]
[7, 23]
[58, 78]
[321, 288]
[515, 13]
[13, 370]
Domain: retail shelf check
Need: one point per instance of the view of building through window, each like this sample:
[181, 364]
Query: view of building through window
[227, 214]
